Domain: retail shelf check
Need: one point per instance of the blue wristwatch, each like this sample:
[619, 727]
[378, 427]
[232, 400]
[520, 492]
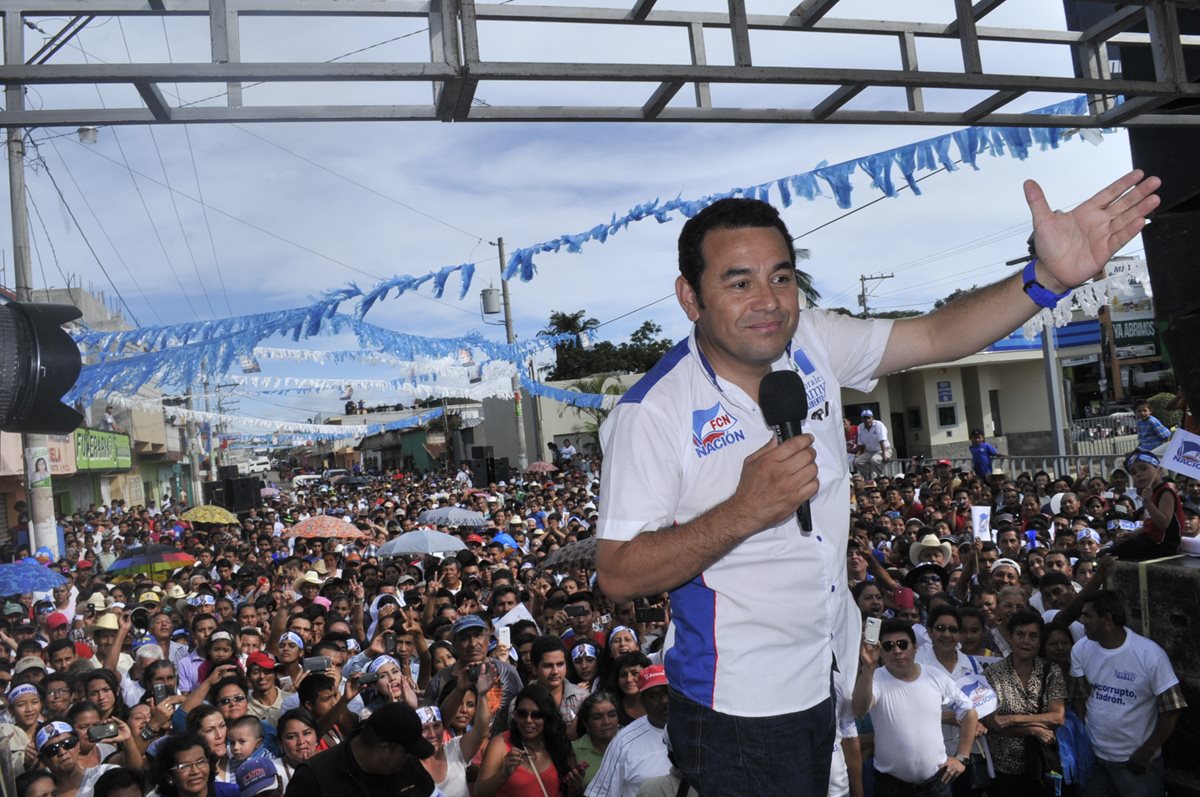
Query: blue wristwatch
[1041, 295]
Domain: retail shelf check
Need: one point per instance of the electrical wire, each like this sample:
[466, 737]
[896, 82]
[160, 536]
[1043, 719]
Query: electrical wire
[103, 230]
[92, 249]
[49, 240]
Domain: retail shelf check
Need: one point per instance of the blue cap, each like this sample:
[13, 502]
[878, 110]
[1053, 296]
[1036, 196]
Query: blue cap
[256, 776]
[468, 622]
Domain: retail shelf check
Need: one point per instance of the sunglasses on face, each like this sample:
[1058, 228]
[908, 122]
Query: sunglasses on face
[228, 701]
[946, 629]
[523, 714]
[51, 750]
[898, 644]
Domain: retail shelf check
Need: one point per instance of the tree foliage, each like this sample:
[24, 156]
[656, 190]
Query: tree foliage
[958, 292]
[572, 361]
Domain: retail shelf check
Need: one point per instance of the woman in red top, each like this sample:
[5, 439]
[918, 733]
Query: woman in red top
[533, 757]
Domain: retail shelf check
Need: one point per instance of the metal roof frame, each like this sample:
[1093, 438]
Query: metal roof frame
[455, 71]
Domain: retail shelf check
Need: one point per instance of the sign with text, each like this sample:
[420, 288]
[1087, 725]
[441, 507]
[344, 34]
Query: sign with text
[1183, 454]
[96, 450]
[1135, 337]
[981, 523]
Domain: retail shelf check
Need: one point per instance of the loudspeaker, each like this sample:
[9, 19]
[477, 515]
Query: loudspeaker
[244, 494]
[227, 472]
[214, 493]
[502, 469]
[481, 452]
[479, 476]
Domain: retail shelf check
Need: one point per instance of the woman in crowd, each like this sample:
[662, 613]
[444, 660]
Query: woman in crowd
[103, 688]
[37, 783]
[623, 684]
[208, 724]
[1032, 696]
[298, 739]
[533, 757]
[186, 767]
[448, 764]
[869, 598]
[584, 666]
[58, 750]
[441, 655]
[596, 725]
[25, 707]
[394, 684]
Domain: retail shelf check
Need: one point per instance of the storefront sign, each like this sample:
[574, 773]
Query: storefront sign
[945, 392]
[96, 450]
[1135, 337]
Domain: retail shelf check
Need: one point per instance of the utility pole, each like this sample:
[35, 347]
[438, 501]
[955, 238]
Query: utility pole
[42, 531]
[863, 279]
[522, 453]
[196, 497]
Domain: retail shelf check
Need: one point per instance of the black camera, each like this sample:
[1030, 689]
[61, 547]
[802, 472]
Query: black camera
[576, 609]
[140, 617]
[367, 678]
[38, 364]
[474, 671]
[650, 614]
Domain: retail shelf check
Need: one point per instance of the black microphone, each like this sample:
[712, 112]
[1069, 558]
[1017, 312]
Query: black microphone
[784, 404]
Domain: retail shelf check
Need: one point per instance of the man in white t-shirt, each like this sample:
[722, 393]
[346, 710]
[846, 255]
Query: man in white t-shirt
[1129, 697]
[906, 701]
[639, 750]
[873, 446]
[701, 500]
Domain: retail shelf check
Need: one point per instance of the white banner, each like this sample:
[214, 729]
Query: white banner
[981, 523]
[1183, 454]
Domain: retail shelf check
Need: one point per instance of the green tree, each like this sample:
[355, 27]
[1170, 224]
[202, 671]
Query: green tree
[593, 417]
[958, 292]
[567, 323]
[804, 280]
[572, 361]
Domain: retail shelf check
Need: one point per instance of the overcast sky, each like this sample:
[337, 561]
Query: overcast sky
[288, 221]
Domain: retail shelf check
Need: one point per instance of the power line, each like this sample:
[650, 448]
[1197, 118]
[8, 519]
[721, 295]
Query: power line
[103, 230]
[91, 249]
[49, 239]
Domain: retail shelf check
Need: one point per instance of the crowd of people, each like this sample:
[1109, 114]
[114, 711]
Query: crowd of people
[276, 664]
[725, 576]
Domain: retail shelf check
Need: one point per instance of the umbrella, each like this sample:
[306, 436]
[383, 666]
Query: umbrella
[541, 467]
[21, 577]
[452, 516]
[581, 553]
[269, 492]
[352, 481]
[421, 541]
[209, 514]
[151, 559]
[326, 527]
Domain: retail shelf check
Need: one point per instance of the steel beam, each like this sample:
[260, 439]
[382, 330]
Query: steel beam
[836, 100]
[978, 11]
[155, 101]
[226, 48]
[740, 32]
[992, 103]
[659, 99]
[908, 60]
[699, 58]
[641, 10]
[811, 11]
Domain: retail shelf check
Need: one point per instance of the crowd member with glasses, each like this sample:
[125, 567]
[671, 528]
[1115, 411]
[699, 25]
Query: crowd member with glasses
[58, 749]
[945, 631]
[533, 757]
[186, 767]
[58, 688]
[906, 700]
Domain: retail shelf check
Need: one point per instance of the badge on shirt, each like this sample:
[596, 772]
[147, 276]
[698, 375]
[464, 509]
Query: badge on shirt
[714, 429]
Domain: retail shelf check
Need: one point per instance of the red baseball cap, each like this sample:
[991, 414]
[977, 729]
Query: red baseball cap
[475, 538]
[258, 658]
[651, 676]
[56, 619]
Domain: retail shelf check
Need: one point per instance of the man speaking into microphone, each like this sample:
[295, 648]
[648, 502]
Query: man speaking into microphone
[700, 497]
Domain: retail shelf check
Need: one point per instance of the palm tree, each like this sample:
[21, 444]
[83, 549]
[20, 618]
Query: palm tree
[804, 280]
[594, 417]
[574, 323]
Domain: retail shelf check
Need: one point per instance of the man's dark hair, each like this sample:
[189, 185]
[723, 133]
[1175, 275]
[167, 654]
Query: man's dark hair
[312, 684]
[505, 589]
[894, 626]
[57, 645]
[197, 619]
[546, 644]
[1107, 602]
[81, 707]
[725, 214]
[581, 596]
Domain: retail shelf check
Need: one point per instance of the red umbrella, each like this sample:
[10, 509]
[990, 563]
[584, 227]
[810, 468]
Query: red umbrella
[541, 467]
[326, 527]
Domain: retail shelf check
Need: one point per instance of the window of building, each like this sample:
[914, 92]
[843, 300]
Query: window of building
[914, 417]
[947, 415]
